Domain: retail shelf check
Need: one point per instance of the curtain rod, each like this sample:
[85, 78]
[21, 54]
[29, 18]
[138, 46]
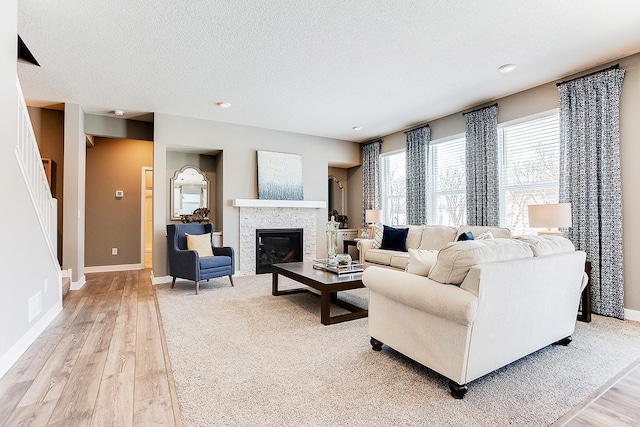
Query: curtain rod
[481, 108]
[416, 128]
[372, 141]
[613, 67]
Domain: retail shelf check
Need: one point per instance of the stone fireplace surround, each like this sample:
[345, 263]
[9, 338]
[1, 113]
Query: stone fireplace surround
[259, 213]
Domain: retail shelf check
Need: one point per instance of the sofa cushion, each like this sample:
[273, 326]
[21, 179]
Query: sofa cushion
[415, 236]
[399, 260]
[200, 243]
[380, 256]
[394, 238]
[547, 244]
[435, 237]
[456, 258]
[498, 232]
[421, 261]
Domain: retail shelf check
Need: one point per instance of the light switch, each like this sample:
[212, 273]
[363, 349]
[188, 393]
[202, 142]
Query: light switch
[119, 194]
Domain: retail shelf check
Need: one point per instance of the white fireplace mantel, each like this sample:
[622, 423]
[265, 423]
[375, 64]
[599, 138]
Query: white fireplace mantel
[262, 203]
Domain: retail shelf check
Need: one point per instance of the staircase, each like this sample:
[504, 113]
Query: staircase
[30, 163]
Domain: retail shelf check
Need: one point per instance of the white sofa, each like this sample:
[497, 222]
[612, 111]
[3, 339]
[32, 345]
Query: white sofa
[425, 237]
[500, 312]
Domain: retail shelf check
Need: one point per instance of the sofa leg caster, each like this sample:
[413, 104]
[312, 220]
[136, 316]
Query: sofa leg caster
[231, 280]
[457, 391]
[375, 344]
[197, 287]
[173, 283]
[564, 341]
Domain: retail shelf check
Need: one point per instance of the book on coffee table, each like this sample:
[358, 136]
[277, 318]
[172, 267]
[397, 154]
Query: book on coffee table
[337, 268]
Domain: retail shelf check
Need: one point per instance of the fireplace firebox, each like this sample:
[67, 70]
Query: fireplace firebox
[276, 246]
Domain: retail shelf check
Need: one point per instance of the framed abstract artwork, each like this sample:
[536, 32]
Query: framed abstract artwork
[279, 176]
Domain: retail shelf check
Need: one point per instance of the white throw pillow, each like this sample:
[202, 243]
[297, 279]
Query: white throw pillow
[377, 237]
[200, 243]
[456, 258]
[487, 235]
[421, 261]
[547, 244]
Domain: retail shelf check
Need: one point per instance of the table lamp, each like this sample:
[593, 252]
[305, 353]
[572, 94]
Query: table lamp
[373, 216]
[551, 215]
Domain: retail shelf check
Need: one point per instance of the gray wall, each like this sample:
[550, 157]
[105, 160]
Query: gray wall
[545, 98]
[238, 176]
[117, 127]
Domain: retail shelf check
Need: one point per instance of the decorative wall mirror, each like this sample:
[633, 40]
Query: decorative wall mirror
[189, 191]
[336, 195]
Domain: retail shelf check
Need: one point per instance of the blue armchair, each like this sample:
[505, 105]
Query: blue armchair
[187, 264]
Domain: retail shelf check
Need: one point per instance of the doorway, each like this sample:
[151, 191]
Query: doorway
[147, 217]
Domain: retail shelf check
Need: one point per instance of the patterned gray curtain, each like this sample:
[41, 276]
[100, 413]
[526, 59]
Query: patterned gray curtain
[590, 180]
[371, 176]
[483, 192]
[416, 157]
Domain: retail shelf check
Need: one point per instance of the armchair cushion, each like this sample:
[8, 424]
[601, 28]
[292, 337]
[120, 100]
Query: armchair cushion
[200, 243]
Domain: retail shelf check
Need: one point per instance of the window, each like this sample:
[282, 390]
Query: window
[529, 169]
[394, 188]
[447, 183]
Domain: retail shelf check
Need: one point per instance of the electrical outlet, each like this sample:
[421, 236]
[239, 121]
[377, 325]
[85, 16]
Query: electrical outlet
[35, 305]
[114, 251]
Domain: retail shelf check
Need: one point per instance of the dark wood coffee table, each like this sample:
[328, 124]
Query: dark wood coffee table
[329, 284]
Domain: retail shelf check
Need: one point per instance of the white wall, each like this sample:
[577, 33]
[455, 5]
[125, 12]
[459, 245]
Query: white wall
[26, 262]
[545, 98]
[239, 172]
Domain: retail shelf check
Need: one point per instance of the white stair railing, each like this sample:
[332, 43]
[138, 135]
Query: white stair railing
[30, 162]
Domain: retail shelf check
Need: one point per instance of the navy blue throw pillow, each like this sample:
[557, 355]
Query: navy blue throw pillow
[394, 239]
[465, 236]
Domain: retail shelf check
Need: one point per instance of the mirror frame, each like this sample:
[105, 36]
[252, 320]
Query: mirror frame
[172, 186]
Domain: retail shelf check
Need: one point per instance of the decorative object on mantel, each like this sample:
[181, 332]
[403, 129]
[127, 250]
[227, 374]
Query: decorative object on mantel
[342, 219]
[199, 215]
[280, 176]
[332, 240]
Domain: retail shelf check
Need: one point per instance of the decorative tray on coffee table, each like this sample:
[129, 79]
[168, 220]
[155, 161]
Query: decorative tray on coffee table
[323, 264]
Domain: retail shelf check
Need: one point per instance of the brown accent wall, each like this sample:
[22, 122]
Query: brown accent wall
[48, 128]
[114, 164]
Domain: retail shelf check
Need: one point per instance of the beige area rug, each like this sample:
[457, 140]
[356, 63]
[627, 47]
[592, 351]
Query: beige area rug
[242, 357]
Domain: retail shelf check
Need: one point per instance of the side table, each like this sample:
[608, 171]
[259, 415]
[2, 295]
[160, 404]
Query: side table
[585, 311]
[347, 243]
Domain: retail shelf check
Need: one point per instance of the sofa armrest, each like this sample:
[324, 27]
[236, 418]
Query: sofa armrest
[184, 264]
[363, 246]
[445, 301]
[223, 251]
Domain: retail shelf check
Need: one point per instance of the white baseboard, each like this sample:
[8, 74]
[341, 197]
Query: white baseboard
[109, 268]
[161, 280]
[13, 354]
[631, 315]
[79, 284]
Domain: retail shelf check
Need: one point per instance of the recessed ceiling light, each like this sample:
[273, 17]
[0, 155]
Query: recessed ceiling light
[118, 112]
[223, 104]
[357, 128]
[507, 68]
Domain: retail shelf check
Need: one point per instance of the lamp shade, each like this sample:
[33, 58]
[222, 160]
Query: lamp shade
[373, 216]
[550, 215]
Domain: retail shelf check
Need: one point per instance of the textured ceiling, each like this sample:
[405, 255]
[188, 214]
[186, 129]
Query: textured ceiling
[318, 67]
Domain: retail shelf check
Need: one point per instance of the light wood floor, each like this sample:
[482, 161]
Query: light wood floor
[101, 362]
